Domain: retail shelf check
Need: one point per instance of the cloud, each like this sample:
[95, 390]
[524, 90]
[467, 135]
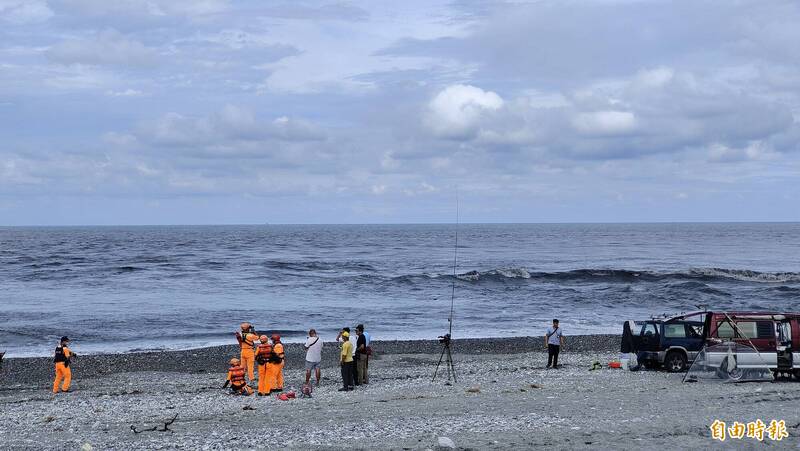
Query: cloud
[227, 127]
[125, 93]
[456, 111]
[299, 10]
[651, 111]
[22, 12]
[155, 8]
[105, 48]
[601, 123]
[540, 110]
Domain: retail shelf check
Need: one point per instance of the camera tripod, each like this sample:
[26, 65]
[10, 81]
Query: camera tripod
[451, 369]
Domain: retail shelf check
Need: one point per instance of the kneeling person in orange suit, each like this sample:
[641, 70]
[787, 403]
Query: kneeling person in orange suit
[275, 365]
[262, 358]
[63, 371]
[236, 379]
[247, 340]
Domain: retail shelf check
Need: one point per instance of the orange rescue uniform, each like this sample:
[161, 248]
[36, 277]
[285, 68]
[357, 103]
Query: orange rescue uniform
[275, 369]
[236, 377]
[63, 372]
[262, 355]
[248, 355]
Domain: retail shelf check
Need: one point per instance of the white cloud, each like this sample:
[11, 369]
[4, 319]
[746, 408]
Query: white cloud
[605, 122]
[226, 128]
[24, 11]
[125, 93]
[456, 111]
[154, 8]
[105, 48]
[754, 150]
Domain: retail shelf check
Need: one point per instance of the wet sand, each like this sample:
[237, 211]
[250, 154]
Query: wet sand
[504, 399]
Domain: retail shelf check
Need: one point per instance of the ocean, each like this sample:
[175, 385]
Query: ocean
[122, 289]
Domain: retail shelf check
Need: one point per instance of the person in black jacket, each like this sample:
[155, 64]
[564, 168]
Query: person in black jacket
[361, 356]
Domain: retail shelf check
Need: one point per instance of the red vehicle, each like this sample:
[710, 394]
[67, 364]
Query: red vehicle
[776, 337]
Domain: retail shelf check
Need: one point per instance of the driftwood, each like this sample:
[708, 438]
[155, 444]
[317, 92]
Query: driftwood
[156, 428]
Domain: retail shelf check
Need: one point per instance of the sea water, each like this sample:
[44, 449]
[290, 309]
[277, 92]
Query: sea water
[118, 289]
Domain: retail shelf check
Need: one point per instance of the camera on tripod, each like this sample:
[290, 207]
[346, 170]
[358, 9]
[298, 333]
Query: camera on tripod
[444, 339]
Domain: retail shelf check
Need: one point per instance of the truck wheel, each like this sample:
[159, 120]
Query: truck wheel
[675, 362]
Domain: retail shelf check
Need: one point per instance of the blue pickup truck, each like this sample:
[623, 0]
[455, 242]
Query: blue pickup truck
[671, 343]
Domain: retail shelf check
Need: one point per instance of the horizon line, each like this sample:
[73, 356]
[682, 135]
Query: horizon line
[401, 223]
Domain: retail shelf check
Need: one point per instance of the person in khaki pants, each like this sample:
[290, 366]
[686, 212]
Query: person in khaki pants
[361, 355]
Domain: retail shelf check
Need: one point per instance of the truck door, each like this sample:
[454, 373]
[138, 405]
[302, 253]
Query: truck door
[795, 330]
[650, 338]
[785, 356]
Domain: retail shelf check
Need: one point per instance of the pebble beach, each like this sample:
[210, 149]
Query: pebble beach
[504, 398]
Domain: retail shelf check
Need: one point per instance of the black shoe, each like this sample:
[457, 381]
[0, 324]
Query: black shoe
[344, 389]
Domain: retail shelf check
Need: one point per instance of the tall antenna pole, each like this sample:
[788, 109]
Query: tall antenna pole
[455, 265]
[445, 339]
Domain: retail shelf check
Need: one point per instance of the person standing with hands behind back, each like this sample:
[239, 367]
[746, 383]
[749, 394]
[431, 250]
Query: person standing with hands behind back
[553, 340]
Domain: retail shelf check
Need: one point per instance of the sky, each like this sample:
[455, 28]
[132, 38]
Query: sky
[248, 111]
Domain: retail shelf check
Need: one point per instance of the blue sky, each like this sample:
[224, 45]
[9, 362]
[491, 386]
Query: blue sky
[217, 111]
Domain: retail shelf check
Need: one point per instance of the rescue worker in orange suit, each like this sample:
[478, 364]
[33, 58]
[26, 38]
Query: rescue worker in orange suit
[247, 340]
[236, 379]
[262, 358]
[63, 371]
[275, 365]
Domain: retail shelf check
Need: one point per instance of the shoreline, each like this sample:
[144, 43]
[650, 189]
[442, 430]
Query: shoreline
[504, 398]
[28, 371]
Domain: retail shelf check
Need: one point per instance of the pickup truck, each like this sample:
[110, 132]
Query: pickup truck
[671, 343]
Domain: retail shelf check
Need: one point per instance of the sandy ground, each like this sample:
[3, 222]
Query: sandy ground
[519, 405]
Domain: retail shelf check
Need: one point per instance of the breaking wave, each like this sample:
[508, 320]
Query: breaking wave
[692, 278]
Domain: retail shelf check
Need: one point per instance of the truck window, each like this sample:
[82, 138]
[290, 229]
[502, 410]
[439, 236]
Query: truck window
[725, 330]
[766, 329]
[674, 331]
[694, 330]
[649, 329]
[747, 329]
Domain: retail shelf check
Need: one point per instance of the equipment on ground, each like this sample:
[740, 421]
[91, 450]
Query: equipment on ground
[445, 339]
[728, 362]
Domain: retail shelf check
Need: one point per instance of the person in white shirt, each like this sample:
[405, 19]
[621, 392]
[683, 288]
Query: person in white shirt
[553, 341]
[313, 348]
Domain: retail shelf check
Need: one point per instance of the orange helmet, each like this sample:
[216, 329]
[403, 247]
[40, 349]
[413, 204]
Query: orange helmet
[262, 339]
[234, 361]
[276, 338]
